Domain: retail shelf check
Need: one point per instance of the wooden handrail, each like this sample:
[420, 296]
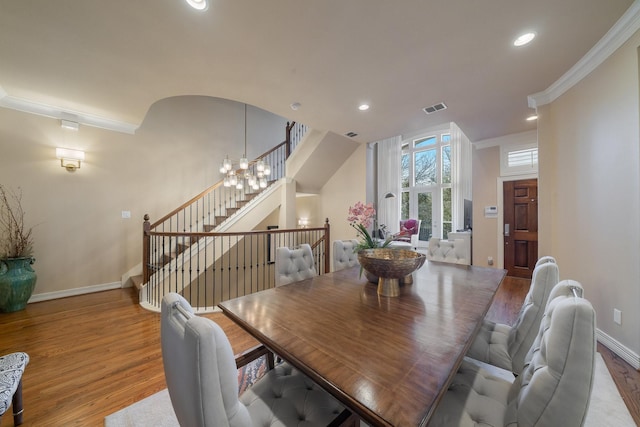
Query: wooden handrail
[213, 205]
[208, 190]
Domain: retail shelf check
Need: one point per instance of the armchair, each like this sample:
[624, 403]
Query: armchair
[408, 228]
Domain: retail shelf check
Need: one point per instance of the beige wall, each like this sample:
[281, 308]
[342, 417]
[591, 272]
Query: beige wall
[308, 206]
[486, 170]
[81, 239]
[344, 189]
[589, 190]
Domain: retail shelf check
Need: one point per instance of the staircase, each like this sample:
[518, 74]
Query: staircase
[199, 243]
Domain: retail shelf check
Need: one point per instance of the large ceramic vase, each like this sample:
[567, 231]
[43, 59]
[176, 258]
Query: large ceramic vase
[17, 280]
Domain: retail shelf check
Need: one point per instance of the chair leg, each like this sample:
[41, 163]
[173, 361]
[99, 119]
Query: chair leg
[17, 405]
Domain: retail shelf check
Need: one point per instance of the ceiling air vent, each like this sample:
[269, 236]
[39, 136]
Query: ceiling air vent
[350, 134]
[435, 108]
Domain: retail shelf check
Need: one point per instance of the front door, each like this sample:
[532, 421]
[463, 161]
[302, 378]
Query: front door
[520, 227]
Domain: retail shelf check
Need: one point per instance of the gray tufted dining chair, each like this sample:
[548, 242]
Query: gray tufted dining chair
[344, 255]
[202, 379]
[554, 387]
[506, 346]
[293, 265]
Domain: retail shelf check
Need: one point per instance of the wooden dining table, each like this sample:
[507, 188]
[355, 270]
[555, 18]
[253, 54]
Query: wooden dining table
[388, 359]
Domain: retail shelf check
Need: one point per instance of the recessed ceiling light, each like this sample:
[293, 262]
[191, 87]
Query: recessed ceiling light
[524, 39]
[295, 106]
[363, 107]
[198, 4]
[532, 118]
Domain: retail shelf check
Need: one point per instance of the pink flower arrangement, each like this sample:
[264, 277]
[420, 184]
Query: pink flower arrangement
[361, 217]
[362, 214]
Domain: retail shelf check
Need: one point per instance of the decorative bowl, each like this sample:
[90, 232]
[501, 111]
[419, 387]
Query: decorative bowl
[390, 266]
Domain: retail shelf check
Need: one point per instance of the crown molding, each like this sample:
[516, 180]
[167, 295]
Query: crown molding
[626, 27]
[33, 107]
[527, 137]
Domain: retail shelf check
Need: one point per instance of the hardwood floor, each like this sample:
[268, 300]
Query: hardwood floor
[94, 354]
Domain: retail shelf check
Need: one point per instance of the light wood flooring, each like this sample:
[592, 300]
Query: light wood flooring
[94, 354]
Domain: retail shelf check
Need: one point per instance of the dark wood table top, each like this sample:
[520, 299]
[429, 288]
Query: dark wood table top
[387, 359]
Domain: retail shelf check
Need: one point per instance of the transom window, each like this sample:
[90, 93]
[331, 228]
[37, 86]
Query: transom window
[517, 160]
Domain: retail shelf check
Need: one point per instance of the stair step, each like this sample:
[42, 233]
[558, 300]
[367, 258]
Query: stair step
[181, 247]
[220, 219]
[231, 211]
[137, 281]
[209, 227]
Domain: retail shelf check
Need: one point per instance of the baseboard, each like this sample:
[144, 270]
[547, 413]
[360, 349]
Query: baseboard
[619, 349]
[73, 292]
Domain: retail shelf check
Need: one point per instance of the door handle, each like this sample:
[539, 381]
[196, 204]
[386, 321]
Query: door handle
[506, 230]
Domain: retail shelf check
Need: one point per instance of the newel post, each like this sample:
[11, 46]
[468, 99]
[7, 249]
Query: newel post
[327, 246]
[146, 249]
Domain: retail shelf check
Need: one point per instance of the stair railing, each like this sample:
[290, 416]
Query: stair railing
[213, 206]
[221, 266]
[209, 209]
[192, 224]
[295, 132]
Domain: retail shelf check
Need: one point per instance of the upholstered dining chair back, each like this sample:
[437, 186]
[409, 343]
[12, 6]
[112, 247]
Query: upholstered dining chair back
[556, 383]
[525, 329]
[344, 255]
[545, 259]
[452, 251]
[506, 346]
[202, 379]
[293, 265]
[554, 387]
[199, 368]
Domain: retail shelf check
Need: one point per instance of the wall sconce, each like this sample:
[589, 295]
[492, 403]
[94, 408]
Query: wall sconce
[70, 159]
[303, 222]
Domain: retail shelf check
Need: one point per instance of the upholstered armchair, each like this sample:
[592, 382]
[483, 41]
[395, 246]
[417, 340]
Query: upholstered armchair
[202, 379]
[11, 369]
[554, 387]
[344, 255]
[506, 346]
[408, 227]
[293, 265]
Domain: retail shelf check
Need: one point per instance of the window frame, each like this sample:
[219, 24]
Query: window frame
[408, 147]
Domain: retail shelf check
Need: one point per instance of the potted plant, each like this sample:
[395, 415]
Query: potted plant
[361, 217]
[17, 278]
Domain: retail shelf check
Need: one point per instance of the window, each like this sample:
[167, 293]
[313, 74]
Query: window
[518, 160]
[426, 183]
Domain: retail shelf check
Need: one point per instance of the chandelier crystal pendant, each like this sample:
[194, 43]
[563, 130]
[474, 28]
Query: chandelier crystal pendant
[236, 177]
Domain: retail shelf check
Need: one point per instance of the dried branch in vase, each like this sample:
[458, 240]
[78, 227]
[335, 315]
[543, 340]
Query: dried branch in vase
[16, 240]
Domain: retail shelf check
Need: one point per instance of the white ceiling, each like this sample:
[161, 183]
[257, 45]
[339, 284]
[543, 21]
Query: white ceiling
[115, 58]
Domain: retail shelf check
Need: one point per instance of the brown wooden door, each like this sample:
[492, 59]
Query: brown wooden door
[520, 227]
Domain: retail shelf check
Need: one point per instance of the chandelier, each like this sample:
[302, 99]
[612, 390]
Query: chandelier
[236, 177]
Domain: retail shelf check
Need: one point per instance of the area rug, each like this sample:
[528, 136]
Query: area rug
[606, 408]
